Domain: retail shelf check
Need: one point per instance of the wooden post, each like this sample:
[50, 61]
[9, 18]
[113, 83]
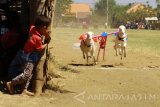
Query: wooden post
[38, 78]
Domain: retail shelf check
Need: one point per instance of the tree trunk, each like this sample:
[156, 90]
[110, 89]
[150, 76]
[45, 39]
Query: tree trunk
[38, 78]
[40, 73]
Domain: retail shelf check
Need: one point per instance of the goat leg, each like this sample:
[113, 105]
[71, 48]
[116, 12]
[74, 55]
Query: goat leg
[83, 56]
[116, 52]
[124, 52]
[94, 60]
[98, 53]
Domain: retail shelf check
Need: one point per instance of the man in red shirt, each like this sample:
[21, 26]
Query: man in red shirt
[20, 70]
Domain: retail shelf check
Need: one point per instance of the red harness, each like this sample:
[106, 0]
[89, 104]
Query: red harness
[102, 45]
[84, 41]
[102, 41]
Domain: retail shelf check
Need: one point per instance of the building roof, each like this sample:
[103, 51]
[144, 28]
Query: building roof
[151, 18]
[136, 7]
[77, 7]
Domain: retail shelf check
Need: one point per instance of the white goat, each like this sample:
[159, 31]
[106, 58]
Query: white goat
[121, 41]
[87, 46]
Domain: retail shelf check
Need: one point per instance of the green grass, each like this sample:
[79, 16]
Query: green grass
[143, 41]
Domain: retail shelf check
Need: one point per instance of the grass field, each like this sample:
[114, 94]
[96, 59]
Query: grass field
[145, 41]
[141, 41]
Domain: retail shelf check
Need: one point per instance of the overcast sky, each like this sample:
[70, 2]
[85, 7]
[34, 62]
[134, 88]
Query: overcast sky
[124, 2]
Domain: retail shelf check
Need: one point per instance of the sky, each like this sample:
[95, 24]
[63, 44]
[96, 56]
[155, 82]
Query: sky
[121, 2]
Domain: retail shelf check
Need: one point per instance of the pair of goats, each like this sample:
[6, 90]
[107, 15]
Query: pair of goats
[87, 44]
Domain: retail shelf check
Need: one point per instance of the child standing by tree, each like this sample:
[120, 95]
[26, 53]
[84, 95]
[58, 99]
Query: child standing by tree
[20, 70]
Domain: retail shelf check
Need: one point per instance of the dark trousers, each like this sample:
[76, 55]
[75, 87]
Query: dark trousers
[20, 70]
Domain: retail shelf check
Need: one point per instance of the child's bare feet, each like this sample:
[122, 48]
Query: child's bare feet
[10, 87]
[26, 92]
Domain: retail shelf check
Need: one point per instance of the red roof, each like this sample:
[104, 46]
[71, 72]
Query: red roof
[80, 8]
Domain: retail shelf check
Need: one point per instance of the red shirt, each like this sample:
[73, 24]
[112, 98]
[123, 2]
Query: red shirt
[34, 43]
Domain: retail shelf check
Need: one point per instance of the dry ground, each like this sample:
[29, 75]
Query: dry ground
[131, 82]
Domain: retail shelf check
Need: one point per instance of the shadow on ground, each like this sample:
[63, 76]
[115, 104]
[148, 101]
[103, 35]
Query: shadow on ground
[108, 66]
[81, 64]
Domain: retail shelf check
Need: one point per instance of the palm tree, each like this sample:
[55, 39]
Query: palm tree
[158, 8]
[158, 4]
[147, 2]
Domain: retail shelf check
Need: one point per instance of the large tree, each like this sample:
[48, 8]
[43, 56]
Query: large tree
[115, 12]
[119, 15]
[63, 5]
[101, 7]
[112, 11]
[61, 8]
[158, 8]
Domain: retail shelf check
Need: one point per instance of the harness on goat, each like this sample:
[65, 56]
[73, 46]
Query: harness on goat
[83, 38]
[102, 43]
[122, 38]
[84, 41]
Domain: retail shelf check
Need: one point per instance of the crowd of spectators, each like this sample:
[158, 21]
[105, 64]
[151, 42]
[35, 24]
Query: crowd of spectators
[140, 25]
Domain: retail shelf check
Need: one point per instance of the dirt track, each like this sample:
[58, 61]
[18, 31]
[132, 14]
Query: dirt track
[134, 81]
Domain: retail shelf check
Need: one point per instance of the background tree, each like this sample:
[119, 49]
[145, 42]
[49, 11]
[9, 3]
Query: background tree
[119, 17]
[101, 9]
[61, 8]
[118, 13]
[158, 8]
